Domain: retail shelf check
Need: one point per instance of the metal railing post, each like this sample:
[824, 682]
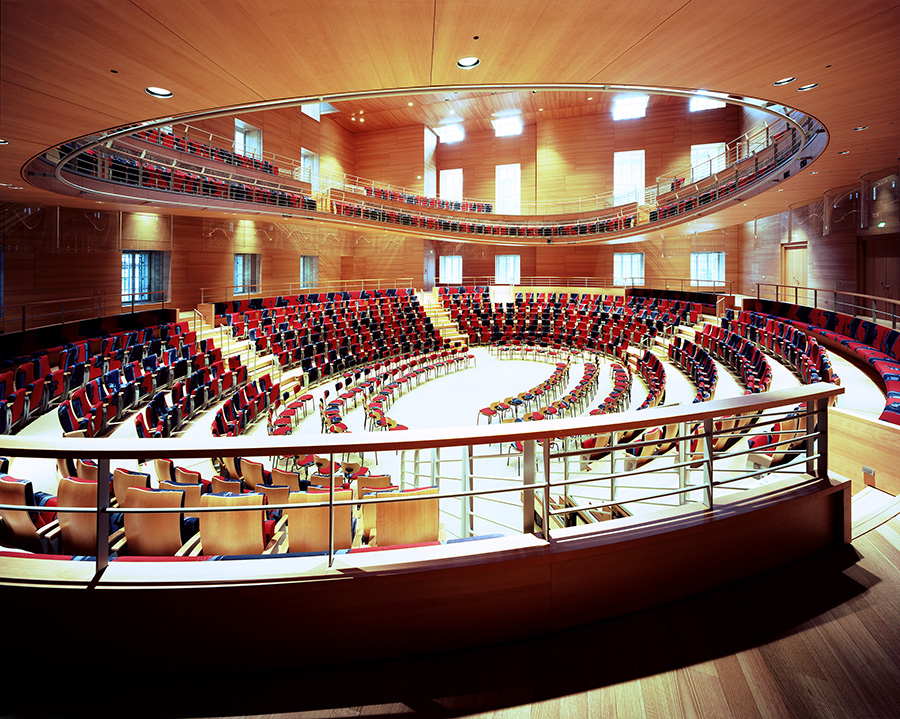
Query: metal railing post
[330, 509]
[545, 518]
[102, 514]
[708, 460]
[528, 483]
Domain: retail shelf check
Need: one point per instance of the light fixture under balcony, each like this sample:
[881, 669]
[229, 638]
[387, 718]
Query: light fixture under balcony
[784, 81]
[467, 63]
[804, 88]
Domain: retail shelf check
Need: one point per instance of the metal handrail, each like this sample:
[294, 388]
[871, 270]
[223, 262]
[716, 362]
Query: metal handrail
[214, 294]
[816, 398]
[857, 303]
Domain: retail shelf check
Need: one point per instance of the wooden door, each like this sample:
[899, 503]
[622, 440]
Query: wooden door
[881, 269]
[793, 274]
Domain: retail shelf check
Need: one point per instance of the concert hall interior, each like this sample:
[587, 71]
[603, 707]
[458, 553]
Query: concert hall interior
[450, 358]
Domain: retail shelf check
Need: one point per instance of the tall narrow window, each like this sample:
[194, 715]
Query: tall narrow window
[309, 271]
[246, 274]
[309, 168]
[143, 277]
[313, 110]
[508, 189]
[247, 139]
[628, 177]
[506, 270]
[451, 185]
[707, 159]
[450, 269]
[628, 268]
[707, 269]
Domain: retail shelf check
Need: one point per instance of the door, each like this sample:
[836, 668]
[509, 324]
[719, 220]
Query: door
[428, 270]
[793, 274]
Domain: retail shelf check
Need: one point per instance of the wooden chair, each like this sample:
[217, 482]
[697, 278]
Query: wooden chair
[232, 465]
[78, 531]
[218, 484]
[187, 476]
[229, 533]
[254, 474]
[25, 533]
[152, 534]
[407, 521]
[307, 527]
[85, 470]
[370, 486]
[192, 493]
[291, 479]
[165, 470]
[125, 478]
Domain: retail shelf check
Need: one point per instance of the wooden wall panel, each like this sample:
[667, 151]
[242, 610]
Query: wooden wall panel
[337, 148]
[393, 156]
[481, 152]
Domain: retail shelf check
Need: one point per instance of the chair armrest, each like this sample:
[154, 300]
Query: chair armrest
[191, 548]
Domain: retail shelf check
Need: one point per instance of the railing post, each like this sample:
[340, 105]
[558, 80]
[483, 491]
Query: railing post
[708, 460]
[465, 502]
[528, 483]
[330, 510]
[102, 514]
[545, 518]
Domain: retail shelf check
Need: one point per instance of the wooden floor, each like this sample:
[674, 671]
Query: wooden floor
[820, 638]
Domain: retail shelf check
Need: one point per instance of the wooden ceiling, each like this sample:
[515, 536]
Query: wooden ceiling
[73, 67]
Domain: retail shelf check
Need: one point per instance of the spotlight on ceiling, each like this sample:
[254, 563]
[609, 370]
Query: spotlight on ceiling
[467, 63]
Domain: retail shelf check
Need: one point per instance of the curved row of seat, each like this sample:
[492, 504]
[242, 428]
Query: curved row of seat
[600, 225]
[182, 143]
[435, 203]
[873, 346]
[696, 362]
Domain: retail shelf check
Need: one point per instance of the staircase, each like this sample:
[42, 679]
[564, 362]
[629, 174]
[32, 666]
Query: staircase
[440, 318]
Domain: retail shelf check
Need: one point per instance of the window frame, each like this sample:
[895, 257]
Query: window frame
[635, 191]
[443, 176]
[510, 266]
[619, 274]
[450, 269]
[244, 130]
[508, 198]
[630, 107]
[713, 276]
[710, 164]
[250, 266]
[147, 285]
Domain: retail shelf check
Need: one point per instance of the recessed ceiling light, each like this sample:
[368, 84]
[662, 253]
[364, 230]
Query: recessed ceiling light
[409, 103]
[540, 109]
[4, 142]
[813, 172]
[844, 152]
[784, 81]
[361, 112]
[780, 189]
[860, 128]
[467, 63]
[804, 88]
[362, 119]
[590, 98]
[353, 118]
[160, 92]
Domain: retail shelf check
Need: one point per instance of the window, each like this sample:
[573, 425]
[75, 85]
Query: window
[247, 139]
[507, 125]
[143, 277]
[629, 107]
[451, 269]
[246, 274]
[452, 185]
[508, 189]
[707, 159]
[313, 110]
[450, 133]
[701, 102]
[707, 268]
[628, 268]
[506, 270]
[309, 168]
[628, 177]
[309, 271]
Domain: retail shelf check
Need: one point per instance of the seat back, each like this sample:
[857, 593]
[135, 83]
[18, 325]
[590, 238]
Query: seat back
[152, 534]
[78, 531]
[225, 533]
[308, 526]
[125, 478]
[20, 524]
[408, 522]
[192, 493]
[290, 479]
